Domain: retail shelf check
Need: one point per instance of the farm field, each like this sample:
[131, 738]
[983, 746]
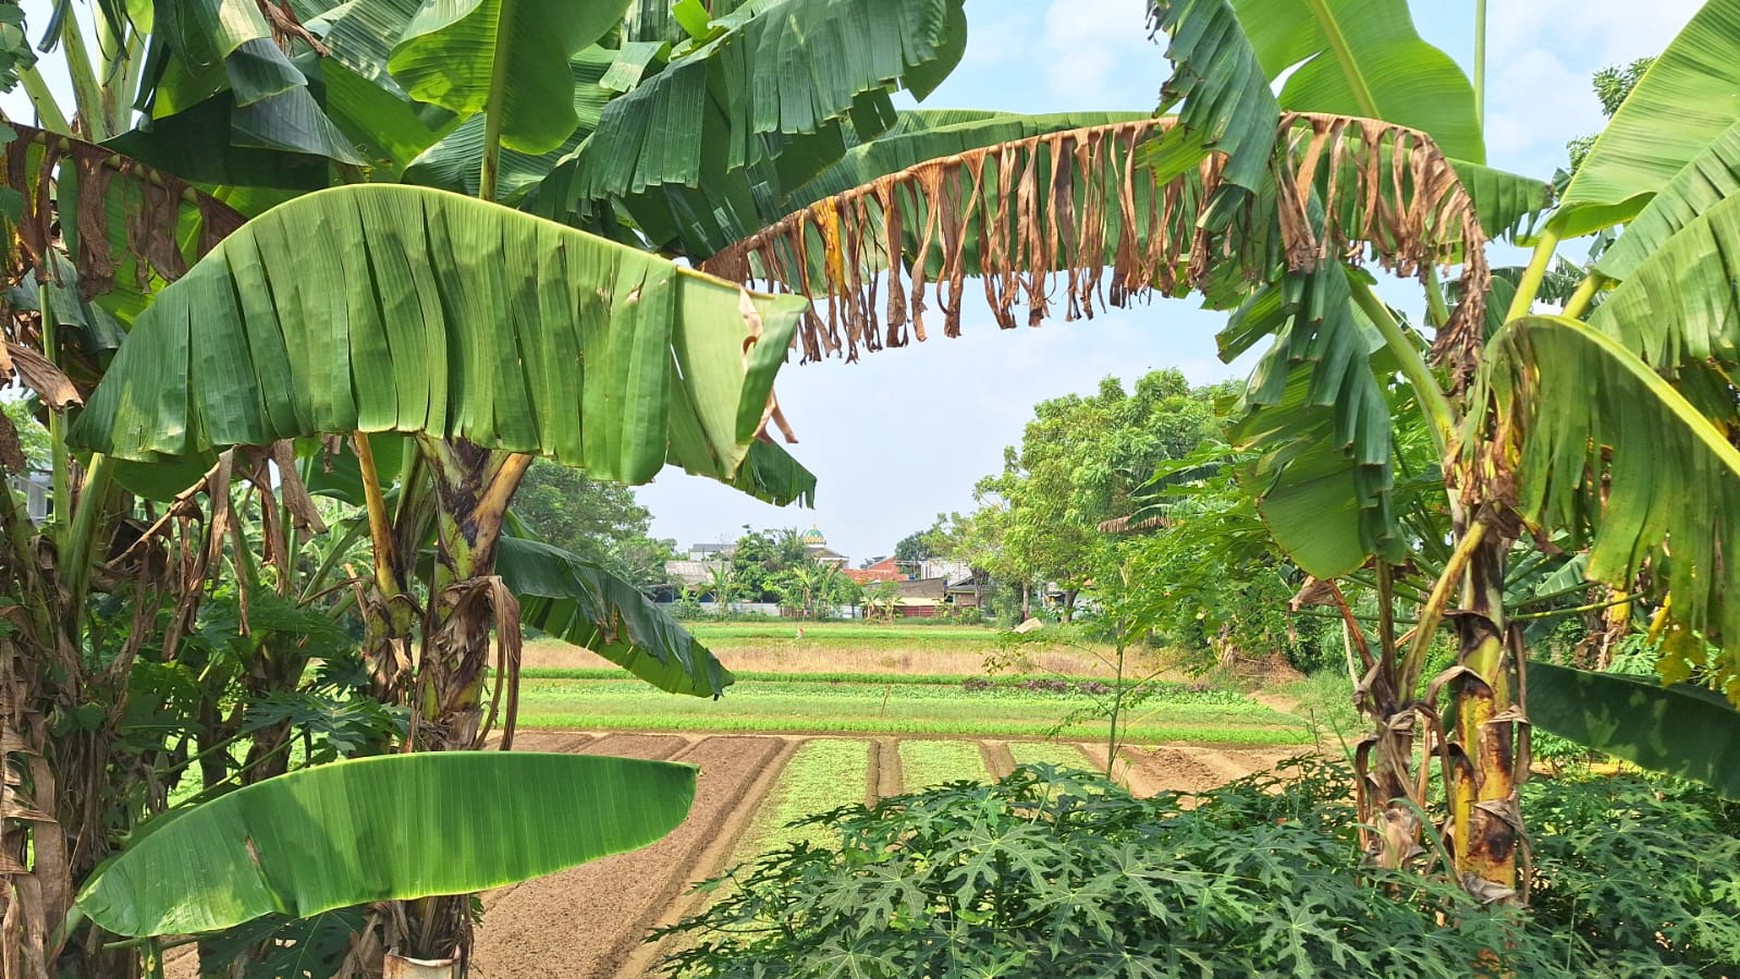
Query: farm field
[750, 787]
[896, 704]
[848, 714]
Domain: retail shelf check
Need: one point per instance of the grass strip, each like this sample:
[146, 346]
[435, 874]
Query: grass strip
[924, 764]
[1049, 753]
[823, 774]
[1207, 735]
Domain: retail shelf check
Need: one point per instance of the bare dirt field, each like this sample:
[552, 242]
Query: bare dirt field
[588, 923]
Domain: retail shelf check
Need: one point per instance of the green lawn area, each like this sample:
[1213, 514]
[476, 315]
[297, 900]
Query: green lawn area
[868, 704]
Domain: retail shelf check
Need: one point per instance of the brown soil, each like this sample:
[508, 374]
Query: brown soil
[999, 760]
[586, 922]
[888, 776]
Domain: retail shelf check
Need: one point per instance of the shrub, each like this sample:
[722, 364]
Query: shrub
[1053, 873]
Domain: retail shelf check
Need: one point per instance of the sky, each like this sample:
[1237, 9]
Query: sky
[904, 434]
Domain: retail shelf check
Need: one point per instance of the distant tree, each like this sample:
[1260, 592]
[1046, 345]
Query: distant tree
[1082, 461]
[33, 439]
[913, 548]
[600, 522]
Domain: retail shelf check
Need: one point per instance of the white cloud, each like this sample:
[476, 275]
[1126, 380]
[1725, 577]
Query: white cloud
[1601, 31]
[1094, 50]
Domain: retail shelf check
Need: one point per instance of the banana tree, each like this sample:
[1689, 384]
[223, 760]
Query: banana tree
[1251, 198]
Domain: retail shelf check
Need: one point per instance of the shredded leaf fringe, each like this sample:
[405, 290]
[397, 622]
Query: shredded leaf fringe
[1073, 209]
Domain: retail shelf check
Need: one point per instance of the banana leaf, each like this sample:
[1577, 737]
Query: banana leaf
[396, 827]
[1682, 729]
[427, 312]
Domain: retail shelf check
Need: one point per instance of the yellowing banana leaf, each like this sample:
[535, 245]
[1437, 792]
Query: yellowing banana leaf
[376, 829]
[423, 311]
[1616, 457]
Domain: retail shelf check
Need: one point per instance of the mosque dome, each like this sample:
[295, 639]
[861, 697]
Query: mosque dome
[813, 537]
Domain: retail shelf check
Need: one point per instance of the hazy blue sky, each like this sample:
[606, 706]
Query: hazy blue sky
[905, 433]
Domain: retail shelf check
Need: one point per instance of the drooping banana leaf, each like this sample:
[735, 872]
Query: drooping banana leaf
[1614, 456]
[1680, 107]
[583, 604]
[1319, 423]
[1223, 98]
[424, 311]
[125, 230]
[463, 55]
[1678, 304]
[387, 828]
[766, 102]
[1681, 729]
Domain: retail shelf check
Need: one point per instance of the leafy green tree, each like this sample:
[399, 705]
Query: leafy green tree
[599, 522]
[1082, 461]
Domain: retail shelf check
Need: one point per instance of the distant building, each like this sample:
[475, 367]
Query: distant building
[883, 569]
[37, 488]
[818, 548]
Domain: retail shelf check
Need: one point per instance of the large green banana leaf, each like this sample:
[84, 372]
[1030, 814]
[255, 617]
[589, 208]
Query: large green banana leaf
[1678, 305]
[583, 604]
[463, 55]
[1612, 454]
[766, 100]
[376, 829]
[1680, 107]
[1710, 178]
[1319, 421]
[1364, 58]
[1681, 729]
[423, 311]
[1352, 57]
[227, 48]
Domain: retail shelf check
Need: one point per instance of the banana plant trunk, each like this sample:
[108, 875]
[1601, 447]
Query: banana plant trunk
[1488, 747]
[471, 616]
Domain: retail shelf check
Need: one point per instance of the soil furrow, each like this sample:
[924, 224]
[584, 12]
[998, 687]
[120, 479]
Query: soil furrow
[999, 760]
[888, 775]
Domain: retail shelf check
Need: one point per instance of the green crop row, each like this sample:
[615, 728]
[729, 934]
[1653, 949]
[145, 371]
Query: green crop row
[823, 774]
[925, 764]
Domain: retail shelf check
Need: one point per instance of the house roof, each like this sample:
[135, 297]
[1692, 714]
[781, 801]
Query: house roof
[871, 575]
[691, 572]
